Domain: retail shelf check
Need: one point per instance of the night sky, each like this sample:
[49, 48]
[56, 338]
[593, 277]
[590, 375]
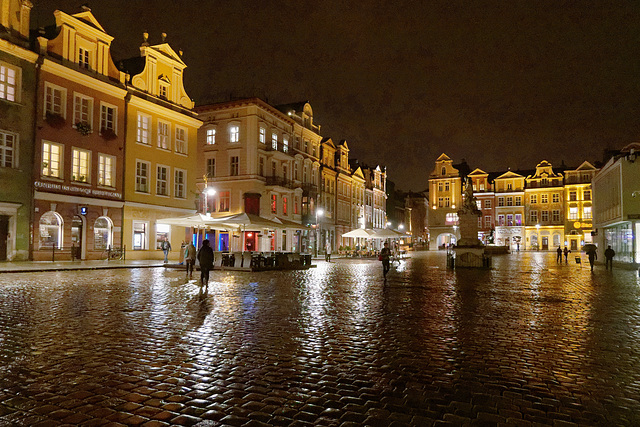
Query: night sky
[503, 84]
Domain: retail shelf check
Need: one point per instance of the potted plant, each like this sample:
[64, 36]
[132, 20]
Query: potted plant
[54, 120]
[108, 134]
[83, 128]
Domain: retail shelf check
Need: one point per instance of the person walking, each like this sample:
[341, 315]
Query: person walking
[593, 256]
[327, 252]
[566, 255]
[608, 257]
[165, 245]
[190, 258]
[205, 257]
[559, 256]
[385, 255]
[182, 246]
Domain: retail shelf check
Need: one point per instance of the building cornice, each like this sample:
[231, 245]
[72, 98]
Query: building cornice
[188, 120]
[60, 70]
[17, 51]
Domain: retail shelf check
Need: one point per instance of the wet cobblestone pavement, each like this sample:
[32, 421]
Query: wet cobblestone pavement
[526, 343]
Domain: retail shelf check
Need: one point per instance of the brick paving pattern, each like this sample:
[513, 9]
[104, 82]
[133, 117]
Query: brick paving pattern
[526, 343]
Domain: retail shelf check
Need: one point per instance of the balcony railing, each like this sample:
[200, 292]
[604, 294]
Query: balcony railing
[282, 182]
[278, 147]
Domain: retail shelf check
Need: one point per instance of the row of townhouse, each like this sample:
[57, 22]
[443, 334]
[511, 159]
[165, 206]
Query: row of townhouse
[539, 209]
[272, 161]
[92, 153]
[97, 154]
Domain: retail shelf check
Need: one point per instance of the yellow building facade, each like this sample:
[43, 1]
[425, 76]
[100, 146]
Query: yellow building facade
[160, 153]
[544, 209]
[578, 205]
[445, 199]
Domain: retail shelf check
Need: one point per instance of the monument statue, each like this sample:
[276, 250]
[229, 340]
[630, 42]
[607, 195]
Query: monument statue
[468, 218]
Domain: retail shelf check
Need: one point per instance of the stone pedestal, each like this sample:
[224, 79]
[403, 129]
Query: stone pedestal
[473, 257]
[469, 252]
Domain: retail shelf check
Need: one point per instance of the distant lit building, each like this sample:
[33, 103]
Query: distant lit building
[544, 208]
[484, 194]
[510, 210]
[578, 207]
[445, 198]
[616, 203]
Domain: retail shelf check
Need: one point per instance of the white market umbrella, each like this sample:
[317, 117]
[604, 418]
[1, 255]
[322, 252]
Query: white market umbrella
[386, 233]
[359, 233]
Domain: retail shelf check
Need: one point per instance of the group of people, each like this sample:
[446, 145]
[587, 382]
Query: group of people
[592, 254]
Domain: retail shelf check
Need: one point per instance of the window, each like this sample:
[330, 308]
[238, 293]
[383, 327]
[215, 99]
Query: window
[534, 216]
[261, 166]
[586, 212]
[518, 201]
[295, 171]
[106, 170]
[284, 172]
[51, 159]
[9, 79]
[509, 201]
[533, 199]
[447, 202]
[509, 187]
[81, 160]
[162, 180]
[273, 168]
[443, 171]
[51, 230]
[544, 198]
[224, 201]
[211, 136]
[179, 182]
[296, 202]
[587, 194]
[83, 58]
[274, 141]
[234, 166]
[284, 206]
[142, 176]
[451, 218]
[54, 102]
[82, 109]
[285, 144]
[144, 129]
[487, 221]
[555, 198]
[518, 219]
[102, 233]
[139, 235]
[487, 203]
[8, 149]
[163, 135]
[573, 196]
[545, 216]
[181, 140]
[479, 204]
[573, 212]
[555, 215]
[107, 118]
[274, 204]
[509, 219]
[234, 133]
[440, 202]
[441, 186]
[500, 219]
[163, 231]
[500, 201]
[263, 136]
[211, 168]
[446, 186]
[163, 91]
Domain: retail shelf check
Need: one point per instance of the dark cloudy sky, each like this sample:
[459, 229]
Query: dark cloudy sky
[499, 83]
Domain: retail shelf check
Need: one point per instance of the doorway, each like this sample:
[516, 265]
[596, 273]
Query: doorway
[545, 243]
[77, 227]
[4, 236]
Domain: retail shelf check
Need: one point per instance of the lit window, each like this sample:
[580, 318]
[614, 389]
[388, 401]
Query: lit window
[225, 198]
[80, 165]
[509, 219]
[83, 58]
[518, 219]
[181, 140]
[586, 213]
[51, 230]
[142, 177]
[573, 212]
[211, 136]
[107, 118]
[274, 141]
[106, 170]
[500, 219]
[285, 144]
[451, 218]
[163, 135]
[162, 180]
[179, 181]
[82, 110]
[139, 235]
[102, 233]
[263, 135]
[234, 133]
[8, 149]
[144, 129]
[51, 158]
[284, 206]
[9, 79]
[274, 205]
[163, 91]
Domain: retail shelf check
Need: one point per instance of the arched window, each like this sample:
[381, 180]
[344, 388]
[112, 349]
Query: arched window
[102, 233]
[51, 230]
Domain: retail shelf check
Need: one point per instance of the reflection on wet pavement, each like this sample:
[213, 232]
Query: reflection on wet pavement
[529, 341]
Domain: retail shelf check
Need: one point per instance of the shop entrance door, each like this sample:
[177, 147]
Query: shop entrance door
[4, 234]
[76, 237]
[545, 243]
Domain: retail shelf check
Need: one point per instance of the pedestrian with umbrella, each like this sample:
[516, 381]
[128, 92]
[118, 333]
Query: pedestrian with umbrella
[592, 254]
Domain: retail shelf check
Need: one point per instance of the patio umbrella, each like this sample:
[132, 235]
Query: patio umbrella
[358, 233]
[197, 220]
[386, 233]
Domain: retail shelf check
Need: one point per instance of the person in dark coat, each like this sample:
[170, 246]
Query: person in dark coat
[205, 257]
[566, 255]
[593, 256]
[385, 255]
[559, 257]
[608, 257]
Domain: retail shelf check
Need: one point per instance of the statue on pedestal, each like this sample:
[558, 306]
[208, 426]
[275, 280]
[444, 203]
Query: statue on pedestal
[468, 218]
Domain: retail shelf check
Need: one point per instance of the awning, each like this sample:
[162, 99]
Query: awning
[359, 233]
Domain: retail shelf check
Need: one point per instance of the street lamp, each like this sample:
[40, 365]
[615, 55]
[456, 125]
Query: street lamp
[401, 227]
[208, 191]
[319, 213]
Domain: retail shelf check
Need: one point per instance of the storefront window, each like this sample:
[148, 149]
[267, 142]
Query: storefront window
[102, 230]
[139, 236]
[51, 230]
[162, 231]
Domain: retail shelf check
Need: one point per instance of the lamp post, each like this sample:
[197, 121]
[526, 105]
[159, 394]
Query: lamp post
[319, 213]
[208, 191]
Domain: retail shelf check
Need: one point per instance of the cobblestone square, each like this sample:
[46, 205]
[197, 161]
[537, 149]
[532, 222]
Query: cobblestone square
[529, 342]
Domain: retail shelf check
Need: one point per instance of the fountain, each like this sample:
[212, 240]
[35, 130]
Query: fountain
[470, 252]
